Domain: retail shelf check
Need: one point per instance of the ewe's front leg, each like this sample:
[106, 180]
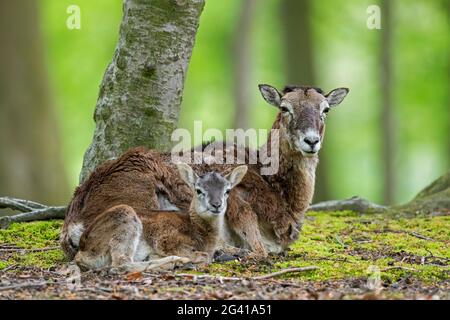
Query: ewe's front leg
[286, 230]
[244, 222]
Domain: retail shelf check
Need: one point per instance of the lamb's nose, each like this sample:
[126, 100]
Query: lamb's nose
[311, 141]
[216, 204]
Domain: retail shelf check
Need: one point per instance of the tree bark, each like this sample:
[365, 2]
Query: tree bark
[30, 159]
[242, 65]
[387, 117]
[296, 20]
[140, 95]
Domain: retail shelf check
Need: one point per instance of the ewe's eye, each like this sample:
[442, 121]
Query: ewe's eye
[326, 110]
[199, 192]
[228, 191]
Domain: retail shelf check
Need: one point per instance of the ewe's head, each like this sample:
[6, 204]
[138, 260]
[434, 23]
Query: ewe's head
[212, 189]
[303, 112]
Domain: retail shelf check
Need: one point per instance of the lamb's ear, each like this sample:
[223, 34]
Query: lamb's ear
[187, 174]
[336, 96]
[270, 94]
[236, 175]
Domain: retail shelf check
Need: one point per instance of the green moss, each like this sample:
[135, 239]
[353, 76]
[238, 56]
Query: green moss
[347, 245]
[344, 245]
[31, 235]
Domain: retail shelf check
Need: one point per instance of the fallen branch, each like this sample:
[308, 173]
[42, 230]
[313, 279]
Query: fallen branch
[356, 204]
[31, 211]
[263, 277]
[20, 204]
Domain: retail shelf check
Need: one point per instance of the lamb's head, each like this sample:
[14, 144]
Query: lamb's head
[211, 190]
[302, 114]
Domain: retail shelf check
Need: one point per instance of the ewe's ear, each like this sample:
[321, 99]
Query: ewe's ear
[336, 96]
[187, 174]
[270, 94]
[236, 175]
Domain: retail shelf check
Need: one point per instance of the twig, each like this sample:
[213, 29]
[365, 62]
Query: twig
[411, 233]
[24, 285]
[399, 267]
[29, 250]
[263, 277]
[290, 270]
[7, 269]
[418, 235]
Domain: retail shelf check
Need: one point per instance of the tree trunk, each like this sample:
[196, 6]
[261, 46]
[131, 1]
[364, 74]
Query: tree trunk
[386, 92]
[296, 15]
[30, 160]
[140, 95]
[242, 65]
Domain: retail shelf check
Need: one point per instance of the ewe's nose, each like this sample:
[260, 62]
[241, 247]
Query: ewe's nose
[311, 140]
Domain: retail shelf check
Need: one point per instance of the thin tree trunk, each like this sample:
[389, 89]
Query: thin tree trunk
[140, 96]
[387, 113]
[296, 19]
[30, 160]
[242, 65]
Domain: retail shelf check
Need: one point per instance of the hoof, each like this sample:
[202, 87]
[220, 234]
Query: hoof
[187, 266]
[224, 257]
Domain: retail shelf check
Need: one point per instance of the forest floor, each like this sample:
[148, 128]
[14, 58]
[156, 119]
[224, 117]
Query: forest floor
[357, 257]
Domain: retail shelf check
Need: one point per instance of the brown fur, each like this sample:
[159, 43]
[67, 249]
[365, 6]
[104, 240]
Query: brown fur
[112, 237]
[262, 210]
[121, 237]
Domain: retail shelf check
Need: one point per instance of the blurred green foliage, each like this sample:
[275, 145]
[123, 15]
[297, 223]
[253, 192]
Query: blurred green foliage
[347, 54]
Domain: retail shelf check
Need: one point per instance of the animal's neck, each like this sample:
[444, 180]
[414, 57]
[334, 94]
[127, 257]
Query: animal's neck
[295, 178]
[207, 230]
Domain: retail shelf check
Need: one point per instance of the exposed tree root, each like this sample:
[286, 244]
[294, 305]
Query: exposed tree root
[434, 200]
[353, 204]
[31, 211]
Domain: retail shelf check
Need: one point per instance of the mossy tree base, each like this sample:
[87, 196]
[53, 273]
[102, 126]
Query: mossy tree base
[434, 199]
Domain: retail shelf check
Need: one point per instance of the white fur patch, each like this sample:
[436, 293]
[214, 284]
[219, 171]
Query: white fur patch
[306, 148]
[143, 251]
[270, 244]
[324, 105]
[165, 204]
[75, 230]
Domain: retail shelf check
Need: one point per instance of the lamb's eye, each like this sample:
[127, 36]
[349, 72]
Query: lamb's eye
[284, 109]
[228, 191]
[326, 110]
[199, 192]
